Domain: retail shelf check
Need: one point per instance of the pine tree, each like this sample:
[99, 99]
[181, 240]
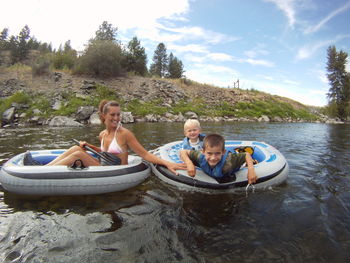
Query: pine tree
[106, 32]
[3, 39]
[339, 80]
[159, 66]
[23, 47]
[136, 58]
[175, 67]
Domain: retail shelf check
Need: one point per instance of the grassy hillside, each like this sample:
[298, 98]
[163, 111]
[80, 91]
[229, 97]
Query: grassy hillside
[141, 96]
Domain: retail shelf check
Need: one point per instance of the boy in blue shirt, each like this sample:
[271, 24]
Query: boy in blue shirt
[216, 161]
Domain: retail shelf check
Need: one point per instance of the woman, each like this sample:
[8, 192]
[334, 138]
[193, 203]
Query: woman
[115, 140]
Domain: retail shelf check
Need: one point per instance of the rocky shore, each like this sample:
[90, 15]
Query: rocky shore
[128, 89]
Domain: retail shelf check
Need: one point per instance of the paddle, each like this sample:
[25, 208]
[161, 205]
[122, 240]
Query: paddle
[101, 155]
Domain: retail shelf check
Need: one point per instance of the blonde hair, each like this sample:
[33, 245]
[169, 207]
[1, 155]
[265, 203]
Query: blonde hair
[192, 122]
[104, 107]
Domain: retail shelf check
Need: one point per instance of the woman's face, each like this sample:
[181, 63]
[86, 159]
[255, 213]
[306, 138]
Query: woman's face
[113, 116]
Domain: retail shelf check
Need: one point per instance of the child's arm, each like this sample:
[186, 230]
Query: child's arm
[191, 169]
[251, 171]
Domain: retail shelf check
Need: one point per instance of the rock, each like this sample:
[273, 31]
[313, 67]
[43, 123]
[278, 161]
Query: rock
[191, 115]
[88, 86]
[57, 105]
[127, 117]
[151, 118]
[37, 112]
[36, 120]
[264, 118]
[8, 116]
[57, 76]
[63, 121]
[180, 118]
[84, 113]
[94, 119]
[277, 119]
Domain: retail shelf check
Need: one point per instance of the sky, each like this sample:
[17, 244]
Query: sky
[275, 46]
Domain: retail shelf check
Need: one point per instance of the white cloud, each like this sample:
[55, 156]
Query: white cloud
[212, 74]
[78, 20]
[308, 50]
[256, 51]
[291, 82]
[314, 97]
[219, 57]
[288, 8]
[191, 48]
[319, 25]
[258, 62]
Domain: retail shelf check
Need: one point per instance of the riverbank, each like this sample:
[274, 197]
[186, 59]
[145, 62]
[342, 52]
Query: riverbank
[62, 99]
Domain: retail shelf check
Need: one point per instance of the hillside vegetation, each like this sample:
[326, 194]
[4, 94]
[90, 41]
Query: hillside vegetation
[141, 96]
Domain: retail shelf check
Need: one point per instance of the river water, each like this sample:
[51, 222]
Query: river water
[307, 219]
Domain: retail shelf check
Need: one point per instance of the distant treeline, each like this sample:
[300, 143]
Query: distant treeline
[104, 56]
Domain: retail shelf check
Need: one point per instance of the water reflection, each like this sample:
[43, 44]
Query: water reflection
[304, 220]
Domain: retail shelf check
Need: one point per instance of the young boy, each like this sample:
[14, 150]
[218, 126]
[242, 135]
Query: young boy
[216, 161]
[194, 138]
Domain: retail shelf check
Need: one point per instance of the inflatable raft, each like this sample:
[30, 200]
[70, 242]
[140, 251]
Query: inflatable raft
[64, 180]
[272, 168]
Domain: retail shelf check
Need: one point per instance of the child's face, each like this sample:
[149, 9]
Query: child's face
[213, 155]
[192, 132]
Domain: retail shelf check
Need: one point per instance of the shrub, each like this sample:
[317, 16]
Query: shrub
[101, 58]
[41, 66]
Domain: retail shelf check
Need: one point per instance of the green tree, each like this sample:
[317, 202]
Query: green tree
[23, 47]
[175, 67]
[3, 39]
[101, 59]
[339, 80]
[65, 58]
[106, 32]
[136, 58]
[159, 67]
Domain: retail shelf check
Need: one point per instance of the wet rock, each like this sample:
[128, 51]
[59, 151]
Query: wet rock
[8, 116]
[191, 115]
[264, 118]
[63, 121]
[94, 119]
[127, 117]
[84, 113]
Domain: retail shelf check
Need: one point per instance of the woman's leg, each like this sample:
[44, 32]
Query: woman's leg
[66, 154]
[86, 158]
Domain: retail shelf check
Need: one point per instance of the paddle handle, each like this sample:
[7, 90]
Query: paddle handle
[89, 148]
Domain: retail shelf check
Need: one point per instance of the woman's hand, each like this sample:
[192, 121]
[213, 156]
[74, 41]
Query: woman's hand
[82, 144]
[175, 166]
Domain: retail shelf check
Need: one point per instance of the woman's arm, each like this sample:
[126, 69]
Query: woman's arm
[82, 144]
[134, 145]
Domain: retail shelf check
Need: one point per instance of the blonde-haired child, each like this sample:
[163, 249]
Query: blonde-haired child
[193, 138]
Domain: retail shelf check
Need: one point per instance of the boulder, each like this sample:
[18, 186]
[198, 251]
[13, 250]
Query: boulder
[191, 115]
[264, 118]
[8, 116]
[84, 113]
[63, 121]
[127, 117]
[94, 119]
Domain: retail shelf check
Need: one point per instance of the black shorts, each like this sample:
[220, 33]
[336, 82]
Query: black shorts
[109, 159]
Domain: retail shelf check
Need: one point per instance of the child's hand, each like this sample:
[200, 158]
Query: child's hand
[191, 170]
[252, 176]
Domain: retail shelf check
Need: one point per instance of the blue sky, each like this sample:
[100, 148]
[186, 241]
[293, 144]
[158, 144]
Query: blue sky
[275, 46]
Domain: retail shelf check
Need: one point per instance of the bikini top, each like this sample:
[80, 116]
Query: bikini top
[113, 146]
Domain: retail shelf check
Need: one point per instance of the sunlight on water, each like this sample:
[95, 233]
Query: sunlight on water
[304, 220]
